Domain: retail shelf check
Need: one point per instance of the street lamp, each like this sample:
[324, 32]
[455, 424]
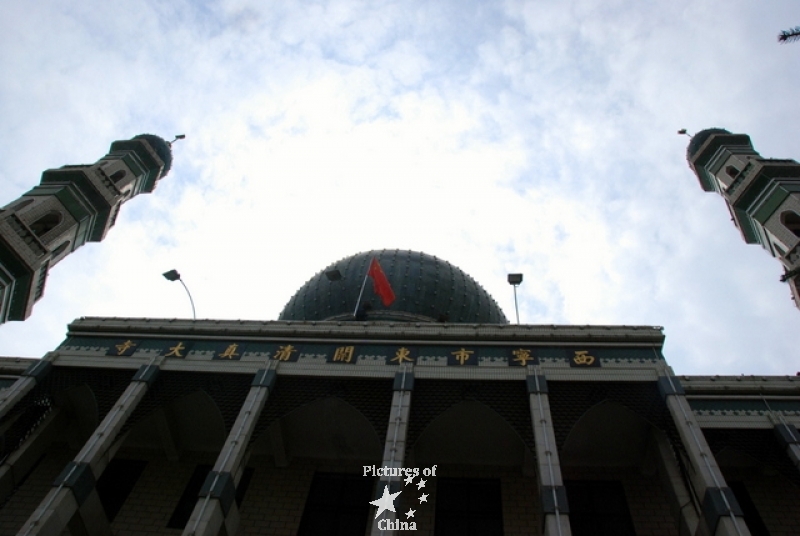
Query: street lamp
[514, 280]
[173, 275]
[334, 275]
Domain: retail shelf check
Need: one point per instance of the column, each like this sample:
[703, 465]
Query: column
[552, 493]
[216, 507]
[32, 375]
[685, 505]
[394, 451]
[789, 437]
[73, 501]
[20, 461]
[721, 514]
[17, 464]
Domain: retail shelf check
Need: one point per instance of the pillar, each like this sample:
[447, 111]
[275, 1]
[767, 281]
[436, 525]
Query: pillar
[394, 451]
[721, 514]
[552, 493]
[21, 461]
[216, 507]
[685, 506]
[789, 437]
[32, 375]
[73, 501]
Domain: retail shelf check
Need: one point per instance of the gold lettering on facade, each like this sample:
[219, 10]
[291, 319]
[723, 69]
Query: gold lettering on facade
[284, 352]
[582, 357]
[124, 347]
[175, 351]
[522, 356]
[402, 355]
[463, 355]
[343, 353]
[230, 352]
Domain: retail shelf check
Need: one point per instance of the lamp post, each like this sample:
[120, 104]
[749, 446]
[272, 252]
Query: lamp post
[514, 280]
[173, 275]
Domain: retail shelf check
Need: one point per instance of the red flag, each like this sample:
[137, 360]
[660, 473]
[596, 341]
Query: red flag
[380, 284]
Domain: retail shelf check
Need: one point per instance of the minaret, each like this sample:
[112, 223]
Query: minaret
[762, 194]
[71, 206]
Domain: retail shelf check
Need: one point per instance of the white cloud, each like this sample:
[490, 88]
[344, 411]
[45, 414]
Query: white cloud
[532, 137]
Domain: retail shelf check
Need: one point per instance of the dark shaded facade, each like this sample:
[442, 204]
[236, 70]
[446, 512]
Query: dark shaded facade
[308, 426]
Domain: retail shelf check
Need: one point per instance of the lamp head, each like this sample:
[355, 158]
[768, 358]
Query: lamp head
[333, 275]
[514, 279]
[172, 275]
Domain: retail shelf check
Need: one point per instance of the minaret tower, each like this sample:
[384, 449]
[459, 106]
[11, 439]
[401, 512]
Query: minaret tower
[71, 206]
[762, 194]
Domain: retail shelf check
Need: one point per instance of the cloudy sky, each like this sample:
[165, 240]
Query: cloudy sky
[508, 136]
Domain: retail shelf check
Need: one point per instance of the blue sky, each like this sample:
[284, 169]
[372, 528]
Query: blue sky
[534, 137]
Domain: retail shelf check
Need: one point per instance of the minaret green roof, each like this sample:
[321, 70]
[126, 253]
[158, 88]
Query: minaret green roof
[161, 147]
[700, 138]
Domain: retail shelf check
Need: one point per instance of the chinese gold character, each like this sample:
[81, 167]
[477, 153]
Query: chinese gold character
[343, 353]
[402, 355]
[522, 356]
[582, 357]
[125, 346]
[463, 355]
[230, 352]
[284, 352]
[175, 351]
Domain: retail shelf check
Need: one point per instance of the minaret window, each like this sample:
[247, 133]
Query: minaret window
[791, 220]
[732, 171]
[118, 175]
[46, 223]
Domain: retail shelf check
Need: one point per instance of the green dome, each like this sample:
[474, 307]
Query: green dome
[162, 149]
[700, 138]
[427, 289]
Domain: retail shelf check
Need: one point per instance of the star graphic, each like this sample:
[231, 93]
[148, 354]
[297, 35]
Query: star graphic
[409, 479]
[386, 502]
[410, 513]
[420, 484]
[422, 499]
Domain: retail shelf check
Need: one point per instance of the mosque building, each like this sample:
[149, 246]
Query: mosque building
[391, 395]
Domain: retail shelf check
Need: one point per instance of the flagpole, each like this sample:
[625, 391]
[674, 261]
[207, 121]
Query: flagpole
[355, 311]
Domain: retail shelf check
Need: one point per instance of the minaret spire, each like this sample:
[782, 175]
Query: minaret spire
[72, 205]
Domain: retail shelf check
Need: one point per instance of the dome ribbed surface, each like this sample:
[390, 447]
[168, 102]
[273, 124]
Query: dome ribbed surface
[700, 138]
[162, 149]
[427, 289]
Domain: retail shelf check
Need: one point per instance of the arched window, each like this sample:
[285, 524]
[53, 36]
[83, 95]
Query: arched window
[732, 171]
[118, 175]
[60, 249]
[791, 220]
[46, 222]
